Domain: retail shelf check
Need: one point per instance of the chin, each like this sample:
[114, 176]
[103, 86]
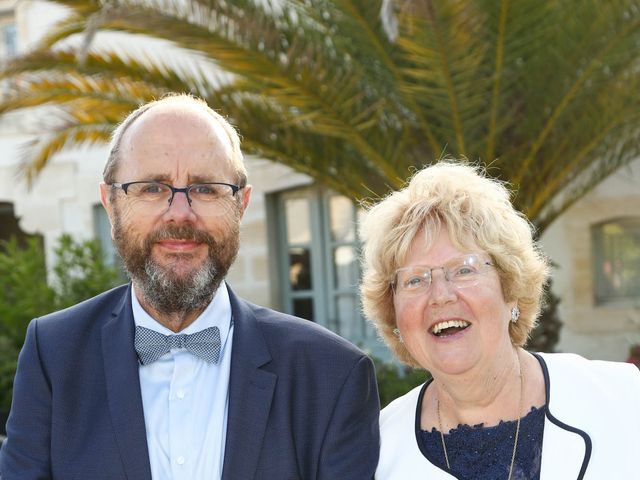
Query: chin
[454, 364]
[180, 260]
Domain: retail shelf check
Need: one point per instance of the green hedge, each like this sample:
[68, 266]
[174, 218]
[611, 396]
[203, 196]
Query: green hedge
[634, 355]
[395, 380]
[79, 273]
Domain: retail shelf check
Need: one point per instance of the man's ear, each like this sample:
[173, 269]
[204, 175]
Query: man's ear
[246, 195]
[105, 199]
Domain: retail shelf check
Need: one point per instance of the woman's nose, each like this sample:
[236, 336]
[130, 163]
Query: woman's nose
[441, 289]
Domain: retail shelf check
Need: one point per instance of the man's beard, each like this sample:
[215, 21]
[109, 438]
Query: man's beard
[165, 290]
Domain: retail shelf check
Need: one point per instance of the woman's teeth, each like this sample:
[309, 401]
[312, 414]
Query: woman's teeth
[439, 328]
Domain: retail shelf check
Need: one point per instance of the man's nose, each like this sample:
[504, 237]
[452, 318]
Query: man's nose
[179, 209]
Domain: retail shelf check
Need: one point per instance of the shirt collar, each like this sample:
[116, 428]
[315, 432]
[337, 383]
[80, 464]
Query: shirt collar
[217, 314]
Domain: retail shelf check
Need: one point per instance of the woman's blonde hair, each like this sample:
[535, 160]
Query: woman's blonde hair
[475, 209]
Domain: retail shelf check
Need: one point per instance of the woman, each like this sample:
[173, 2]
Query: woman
[453, 281]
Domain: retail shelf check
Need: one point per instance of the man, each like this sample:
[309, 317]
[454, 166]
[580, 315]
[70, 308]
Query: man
[173, 376]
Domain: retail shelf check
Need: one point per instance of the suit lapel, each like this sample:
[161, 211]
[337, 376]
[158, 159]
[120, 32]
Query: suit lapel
[250, 394]
[123, 390]
[563, 452]
[566, 449]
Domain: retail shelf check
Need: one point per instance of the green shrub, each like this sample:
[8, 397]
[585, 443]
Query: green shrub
[24, 292]
[634, 355]
[545, 336]
[395, 380]
[8, 357]
[79, 273]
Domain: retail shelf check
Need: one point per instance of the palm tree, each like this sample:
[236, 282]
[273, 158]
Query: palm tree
[544, 93]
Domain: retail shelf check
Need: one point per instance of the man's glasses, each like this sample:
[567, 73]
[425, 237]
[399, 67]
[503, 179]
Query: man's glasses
[461, 272]
[208, 199]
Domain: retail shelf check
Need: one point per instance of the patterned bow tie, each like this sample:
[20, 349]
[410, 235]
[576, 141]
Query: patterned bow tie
[151, 345]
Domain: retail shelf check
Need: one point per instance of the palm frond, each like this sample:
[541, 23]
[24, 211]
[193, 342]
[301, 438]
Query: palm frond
[544, 92]
[37, 153]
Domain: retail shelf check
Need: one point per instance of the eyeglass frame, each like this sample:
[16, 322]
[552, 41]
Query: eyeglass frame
[426, 268]
[124, 186]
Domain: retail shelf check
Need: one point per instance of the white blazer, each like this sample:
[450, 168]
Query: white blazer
[591, 429]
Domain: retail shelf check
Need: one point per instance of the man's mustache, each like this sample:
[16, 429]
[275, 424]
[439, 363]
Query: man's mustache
[184, 232]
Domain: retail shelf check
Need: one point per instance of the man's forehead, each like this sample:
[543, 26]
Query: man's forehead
[212, 175]
[170, 122]
[165, 142]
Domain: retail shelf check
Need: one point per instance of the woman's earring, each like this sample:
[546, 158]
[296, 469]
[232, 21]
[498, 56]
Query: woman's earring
[515, 314]
[396, 332]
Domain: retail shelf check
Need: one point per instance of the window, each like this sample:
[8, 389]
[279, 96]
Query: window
[8, 33]
[102, 232]
[10, 227]
[9, 41]
[8, 44]
[617, 261]
[317, 257]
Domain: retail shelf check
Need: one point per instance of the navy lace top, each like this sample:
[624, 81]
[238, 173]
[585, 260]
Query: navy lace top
[480, 452]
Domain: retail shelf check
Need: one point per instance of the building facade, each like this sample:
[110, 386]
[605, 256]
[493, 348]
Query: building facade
[299, 247]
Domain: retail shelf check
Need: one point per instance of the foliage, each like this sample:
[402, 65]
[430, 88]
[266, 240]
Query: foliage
[395, 380]
[8, 359]
[634, 355]
[547, 333]
[24, 292]
[80, 273]
[543, 93]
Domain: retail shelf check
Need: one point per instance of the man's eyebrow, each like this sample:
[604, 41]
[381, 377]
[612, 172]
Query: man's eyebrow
[202, 179]
[159, 177]
[167, 178]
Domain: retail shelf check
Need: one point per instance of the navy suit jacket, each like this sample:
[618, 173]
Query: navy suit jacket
[303, 402]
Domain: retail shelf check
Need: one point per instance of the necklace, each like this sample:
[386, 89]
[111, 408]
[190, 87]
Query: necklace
[515, 443]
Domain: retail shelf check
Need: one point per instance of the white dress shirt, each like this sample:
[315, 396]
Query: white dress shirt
[186, 400]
